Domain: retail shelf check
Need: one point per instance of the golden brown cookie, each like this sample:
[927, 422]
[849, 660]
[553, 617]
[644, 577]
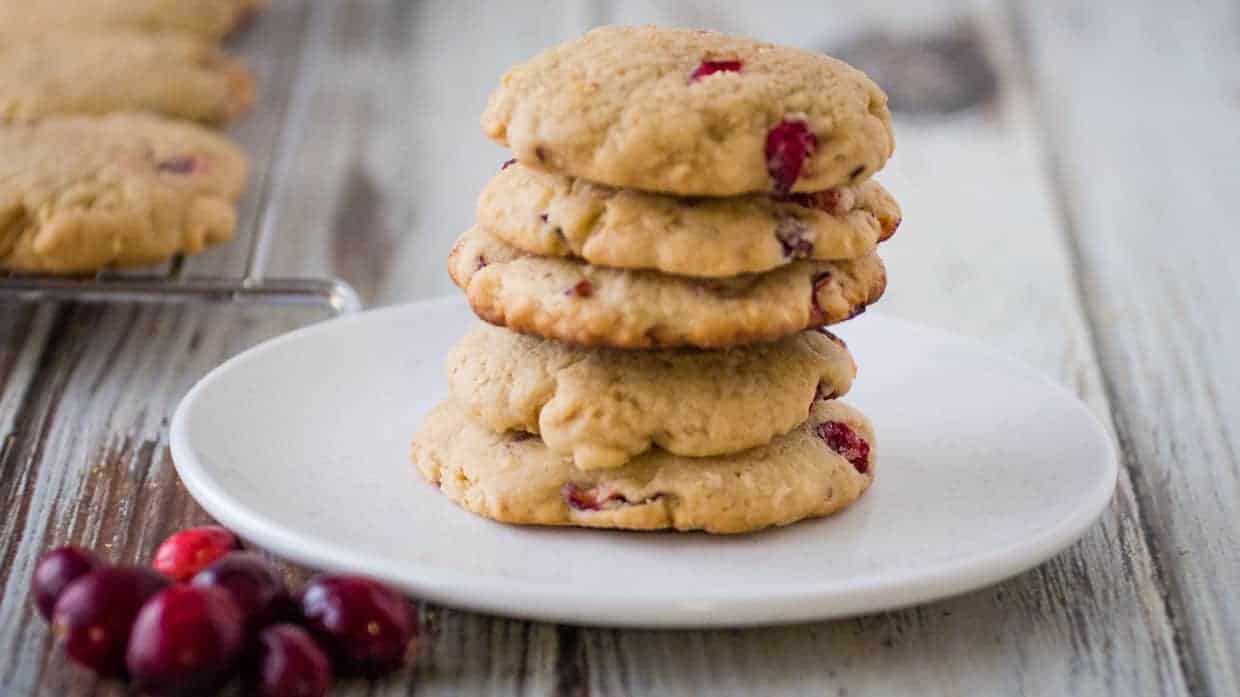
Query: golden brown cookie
[210, 19]
[81, 193]
[572, 301]
[692, 113]
[602, 407]
[65, 73]
[817, 469]
[553, 215]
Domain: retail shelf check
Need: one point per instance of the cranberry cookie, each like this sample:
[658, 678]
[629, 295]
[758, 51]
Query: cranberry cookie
[815, 470]
[81, 193]
[602, 407]
[692, 113]
[572, 301]
[73, 73]
[210, 19]
[553, 215]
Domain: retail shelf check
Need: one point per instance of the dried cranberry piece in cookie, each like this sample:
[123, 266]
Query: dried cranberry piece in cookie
[788, 146]
[580, 289]
[793, 237]
[817, 313]
[712, 67]
[593, 499]
[840, 437]
[178, 165]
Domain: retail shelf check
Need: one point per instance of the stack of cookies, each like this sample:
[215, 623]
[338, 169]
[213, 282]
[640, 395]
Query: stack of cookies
[104, 114]
[685, 212]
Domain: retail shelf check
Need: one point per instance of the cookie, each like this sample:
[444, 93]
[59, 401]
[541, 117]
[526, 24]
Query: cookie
[81, 193]
[692, 113]
[815, 470]
[553, 215]
[210, 19]
[602, 407]
[572, 301]
[73, 73]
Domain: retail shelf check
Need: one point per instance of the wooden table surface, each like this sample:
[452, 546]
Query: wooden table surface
[1068, 172]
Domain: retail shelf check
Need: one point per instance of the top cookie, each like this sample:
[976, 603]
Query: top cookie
[61, 73]
[692, 113]
[207, 18]
[77, 194]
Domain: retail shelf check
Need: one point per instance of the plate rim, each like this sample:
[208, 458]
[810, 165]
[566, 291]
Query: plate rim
[538, 601]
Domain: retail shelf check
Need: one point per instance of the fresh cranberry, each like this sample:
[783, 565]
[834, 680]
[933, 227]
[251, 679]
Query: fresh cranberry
[793, 238]
[508, 163]
[712, 67]
[95, 614]
[255, 587]
[55, 571]
[178, 165]
[287, 663]
[187, 552]
[788, 146]
[365, 626]
[580, 289]
[186, 641]
[592, 499]
[842, 439]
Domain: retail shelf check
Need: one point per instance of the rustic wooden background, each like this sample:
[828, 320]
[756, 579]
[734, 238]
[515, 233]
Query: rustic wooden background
[1068, 170]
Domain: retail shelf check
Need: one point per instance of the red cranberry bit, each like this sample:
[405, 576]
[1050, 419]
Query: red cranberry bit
[593, 499]
[95, 614]
[178, 165]
[788, 146]
[481, 263]
[809, 200]
[507, 164]
[581, 289]
[186, 641]
[55, 571]
[365, 626]
[543, 217]
[842, 439]
[253, 585]
[793, 237]
[712, 67]
[817, 284]
[287, 663]
[187, 552]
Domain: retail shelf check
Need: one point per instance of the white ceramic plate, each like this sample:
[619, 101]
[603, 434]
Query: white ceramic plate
[984, 470]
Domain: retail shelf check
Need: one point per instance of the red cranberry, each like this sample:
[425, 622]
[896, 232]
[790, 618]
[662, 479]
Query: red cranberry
[55, 571]
[788, 146]
[793, 238]
[287, 663]
[592, 499]
[365, 626]
[842, 439]
[581, 289]
[177, 165]
[508, 163]
[255, 587]
[712, 67]
[186, 641]
[816, 285]
[187, 552]
[95, 614]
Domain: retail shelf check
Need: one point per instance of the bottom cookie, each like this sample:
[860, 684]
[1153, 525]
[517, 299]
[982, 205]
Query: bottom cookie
[817, 469]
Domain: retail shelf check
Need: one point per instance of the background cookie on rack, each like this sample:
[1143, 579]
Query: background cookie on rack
[71, 72]
[78, 194]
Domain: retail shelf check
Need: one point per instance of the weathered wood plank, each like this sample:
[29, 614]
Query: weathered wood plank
[1141, 108]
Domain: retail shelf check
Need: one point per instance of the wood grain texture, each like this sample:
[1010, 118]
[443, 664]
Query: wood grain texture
[1020, 229]
[1143, 109]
